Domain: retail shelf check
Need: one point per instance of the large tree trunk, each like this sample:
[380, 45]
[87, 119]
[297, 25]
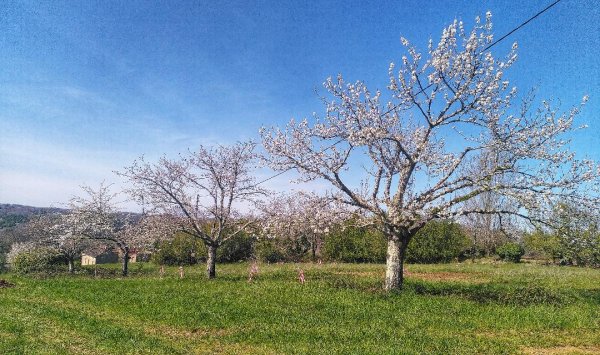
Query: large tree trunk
[210, 262]
[125, 266]
[71, 265]
[394, 271]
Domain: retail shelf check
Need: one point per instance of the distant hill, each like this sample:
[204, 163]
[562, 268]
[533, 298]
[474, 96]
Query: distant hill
[11, 214]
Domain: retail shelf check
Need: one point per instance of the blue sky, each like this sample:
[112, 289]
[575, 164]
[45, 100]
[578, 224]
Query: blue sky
[86, 87]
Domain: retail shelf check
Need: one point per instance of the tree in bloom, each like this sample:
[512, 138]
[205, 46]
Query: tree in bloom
[95, 217]
[302, 218]
[420, 149]
[488, 231]
[54, 231]
[203, 193]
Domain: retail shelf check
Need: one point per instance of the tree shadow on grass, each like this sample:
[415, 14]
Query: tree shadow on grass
[516, 294]
[507, 294]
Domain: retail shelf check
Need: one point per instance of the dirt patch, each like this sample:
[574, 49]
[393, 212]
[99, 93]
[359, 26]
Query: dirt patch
[6, 284]
[562, 350]
[446, 276]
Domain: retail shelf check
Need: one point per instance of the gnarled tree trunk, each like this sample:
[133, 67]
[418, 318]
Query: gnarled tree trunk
[125, 266]
[394, 269]
[210, 261]
[71, 265]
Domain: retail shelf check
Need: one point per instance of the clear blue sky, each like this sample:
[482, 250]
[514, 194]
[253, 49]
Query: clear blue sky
[86, 87]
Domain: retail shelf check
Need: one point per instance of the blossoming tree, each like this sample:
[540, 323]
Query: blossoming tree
[95, 217]
[54, 230]
[420, 148]
[304, 218]
[202, 194]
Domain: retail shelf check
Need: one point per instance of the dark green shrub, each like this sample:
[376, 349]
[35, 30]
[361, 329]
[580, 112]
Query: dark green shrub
[270, 251]
[37, 260]
[438, 242]
[355, 245]
[4, 249]
[542, 245]
[510, 252]
[2, 262]
[238, 248]
[183, 249]
[578, 233]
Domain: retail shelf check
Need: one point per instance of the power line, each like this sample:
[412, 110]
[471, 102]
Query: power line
[273, 177]
[489, 46]
[430, 85]
[521, 25]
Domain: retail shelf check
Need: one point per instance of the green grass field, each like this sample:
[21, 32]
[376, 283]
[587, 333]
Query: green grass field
[453, 308]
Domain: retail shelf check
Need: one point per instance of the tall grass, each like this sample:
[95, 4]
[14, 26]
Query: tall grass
[340, 309]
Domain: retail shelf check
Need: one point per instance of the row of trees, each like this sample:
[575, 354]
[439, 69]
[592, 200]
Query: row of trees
[438, 241]
[447, 134]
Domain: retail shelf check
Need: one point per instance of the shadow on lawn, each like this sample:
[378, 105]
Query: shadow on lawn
[508, 294]
[516, 294]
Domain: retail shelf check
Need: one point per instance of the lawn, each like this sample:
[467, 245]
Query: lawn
[452, 308]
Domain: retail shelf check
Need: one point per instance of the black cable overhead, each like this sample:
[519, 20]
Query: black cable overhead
[430, 85]
[490, 45]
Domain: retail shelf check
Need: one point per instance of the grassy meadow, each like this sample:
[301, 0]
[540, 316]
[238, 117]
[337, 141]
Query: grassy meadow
[451, 308]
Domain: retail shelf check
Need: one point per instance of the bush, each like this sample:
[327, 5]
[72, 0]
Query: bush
[35, 259]
[238, 248]
[355, 245]
[2, 262]
[270, 251]
[578, 233]
[542, 245]
[273, 250]
[581, 248]
[438, 242]
[184, 249]
[510, 252]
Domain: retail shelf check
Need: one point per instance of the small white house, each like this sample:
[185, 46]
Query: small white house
[93, 257]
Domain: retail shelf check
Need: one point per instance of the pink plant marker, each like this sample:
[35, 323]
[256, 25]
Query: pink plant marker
[301, 276]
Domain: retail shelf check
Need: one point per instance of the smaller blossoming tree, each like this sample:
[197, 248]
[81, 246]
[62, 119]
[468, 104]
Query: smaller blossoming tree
[203, 193]
[95, 217]
[54, 230]
[303, 218]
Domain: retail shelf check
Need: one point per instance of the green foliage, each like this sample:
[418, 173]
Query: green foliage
[2, 262]
[4, 249]
[37, 260]
[271, 251]
[238, 248]
[11, 220]
[542, 245]
[438, 242]
[579, 235]
[185, 249]
[355, 245]
[582, 249]
[274, 250]
[510, 251]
